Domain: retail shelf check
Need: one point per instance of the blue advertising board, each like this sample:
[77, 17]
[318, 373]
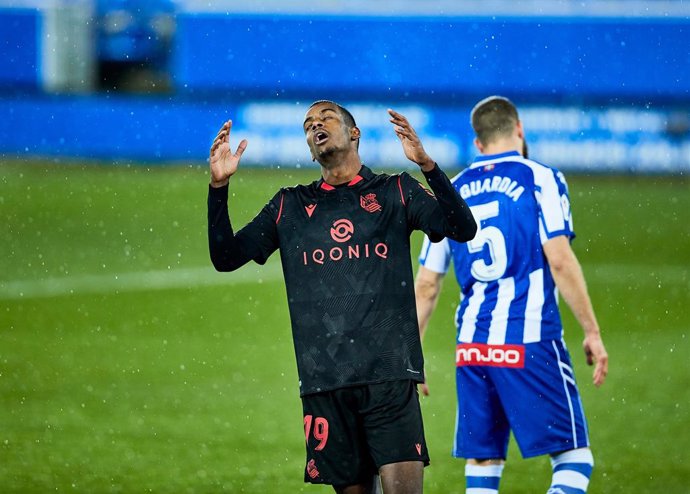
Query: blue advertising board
[572, 137]
[20, 49]
[431, 58]
[596, 93]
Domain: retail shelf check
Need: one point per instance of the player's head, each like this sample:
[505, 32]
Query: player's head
[329, 128]
[347, 116]
[497, 126]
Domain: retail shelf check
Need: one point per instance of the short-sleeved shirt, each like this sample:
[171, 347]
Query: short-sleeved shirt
[508, 293]
[345, 255]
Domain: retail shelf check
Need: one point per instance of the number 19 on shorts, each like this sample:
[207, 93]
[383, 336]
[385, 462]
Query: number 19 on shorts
[319, 430]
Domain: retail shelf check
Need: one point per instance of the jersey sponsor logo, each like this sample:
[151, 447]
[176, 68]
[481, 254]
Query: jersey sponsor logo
[369, 203]
[489, 167]
[310, 209]
[490, 355]
[342, 230]
[504, 185]
[356, 251]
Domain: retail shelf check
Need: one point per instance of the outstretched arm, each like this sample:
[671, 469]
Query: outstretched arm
[570, 280]
[256, 241]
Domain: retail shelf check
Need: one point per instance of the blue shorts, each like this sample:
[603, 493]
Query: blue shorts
[529, 389]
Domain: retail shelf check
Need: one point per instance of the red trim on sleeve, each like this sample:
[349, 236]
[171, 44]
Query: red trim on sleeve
[402, 196]
[280, 210]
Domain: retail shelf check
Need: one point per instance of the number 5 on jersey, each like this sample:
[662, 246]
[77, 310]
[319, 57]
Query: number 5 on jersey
[494, 239]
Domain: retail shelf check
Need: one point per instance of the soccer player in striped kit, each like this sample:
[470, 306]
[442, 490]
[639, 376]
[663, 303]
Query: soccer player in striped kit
[513, 369]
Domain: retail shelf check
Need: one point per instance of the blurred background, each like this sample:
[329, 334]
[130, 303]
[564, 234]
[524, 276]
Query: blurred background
[603, 85]
[127, 364]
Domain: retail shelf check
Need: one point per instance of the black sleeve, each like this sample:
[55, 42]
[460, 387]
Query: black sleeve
[441, 214]
[256, 241]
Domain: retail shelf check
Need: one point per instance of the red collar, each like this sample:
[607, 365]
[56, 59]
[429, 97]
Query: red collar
[352, 182]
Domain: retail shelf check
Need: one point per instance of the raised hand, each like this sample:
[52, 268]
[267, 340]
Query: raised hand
[223, 163]
[412, 146]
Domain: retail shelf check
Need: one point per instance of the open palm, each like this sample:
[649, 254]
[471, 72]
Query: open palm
[223, 163]
[412, 146]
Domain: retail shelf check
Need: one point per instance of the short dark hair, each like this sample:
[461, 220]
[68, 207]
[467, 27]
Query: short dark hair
[493, 117]
[347, 116]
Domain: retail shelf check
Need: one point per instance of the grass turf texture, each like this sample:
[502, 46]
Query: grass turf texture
[128, 365]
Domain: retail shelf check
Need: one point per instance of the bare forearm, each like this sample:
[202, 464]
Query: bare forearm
[571, 284]
[425, 307]
[426, 293]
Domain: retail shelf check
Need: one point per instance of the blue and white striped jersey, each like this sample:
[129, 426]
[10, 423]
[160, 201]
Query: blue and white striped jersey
[508, 293]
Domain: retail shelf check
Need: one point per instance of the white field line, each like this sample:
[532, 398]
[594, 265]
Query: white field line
[137, 281]
[614, 274]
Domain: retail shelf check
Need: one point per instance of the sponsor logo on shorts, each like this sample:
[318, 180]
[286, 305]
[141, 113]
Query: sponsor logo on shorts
[418, 447]
[311, 469]
[490, 355]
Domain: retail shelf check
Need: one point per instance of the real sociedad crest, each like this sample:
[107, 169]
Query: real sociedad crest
[369, 203]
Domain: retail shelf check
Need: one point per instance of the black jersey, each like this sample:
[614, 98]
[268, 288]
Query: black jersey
[345, 254]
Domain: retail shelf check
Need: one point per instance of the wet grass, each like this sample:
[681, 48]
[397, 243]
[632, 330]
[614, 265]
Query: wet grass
[194, 388]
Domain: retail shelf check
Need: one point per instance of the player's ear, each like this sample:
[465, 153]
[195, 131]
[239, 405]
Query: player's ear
[478, 145]
[355, 134]
[520, 130]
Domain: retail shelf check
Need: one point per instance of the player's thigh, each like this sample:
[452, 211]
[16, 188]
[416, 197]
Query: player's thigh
[481, 430]
[393, 423]
[405, 477]
[542, 401]
[337, 452]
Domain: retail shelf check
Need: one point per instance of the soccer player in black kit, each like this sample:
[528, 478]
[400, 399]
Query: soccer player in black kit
[344, 243]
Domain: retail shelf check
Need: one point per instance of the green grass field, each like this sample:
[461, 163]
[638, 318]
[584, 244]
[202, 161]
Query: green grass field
[127, 364]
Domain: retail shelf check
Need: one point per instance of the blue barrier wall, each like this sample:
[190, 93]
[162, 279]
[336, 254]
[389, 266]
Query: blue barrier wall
[20, 49]
[430, 58]
[596, 93]
[623, 139]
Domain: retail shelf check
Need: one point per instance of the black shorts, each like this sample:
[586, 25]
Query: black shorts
[351, 432]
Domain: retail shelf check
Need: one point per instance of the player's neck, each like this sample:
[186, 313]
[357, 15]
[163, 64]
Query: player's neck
[503, 146]
[342, 172]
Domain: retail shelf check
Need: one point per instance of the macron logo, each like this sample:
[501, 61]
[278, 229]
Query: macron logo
[310, 209]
